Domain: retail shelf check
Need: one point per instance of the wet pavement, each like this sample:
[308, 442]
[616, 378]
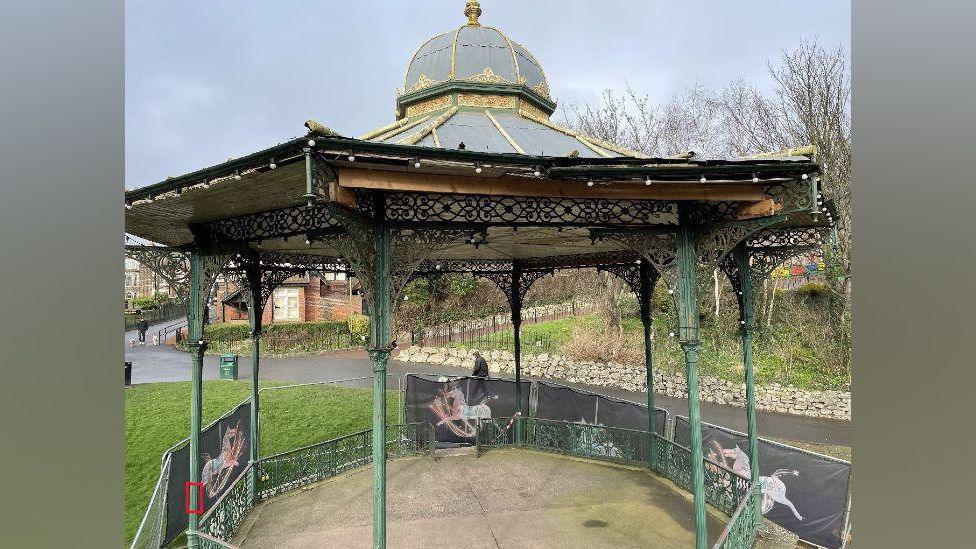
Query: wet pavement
[504, 498]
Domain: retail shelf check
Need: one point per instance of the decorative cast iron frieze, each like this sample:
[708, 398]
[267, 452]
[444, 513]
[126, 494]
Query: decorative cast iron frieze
[298, 220]
[507, 210]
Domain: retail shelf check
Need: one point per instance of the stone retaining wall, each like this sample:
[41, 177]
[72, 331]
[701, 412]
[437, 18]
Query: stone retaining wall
[773, 398]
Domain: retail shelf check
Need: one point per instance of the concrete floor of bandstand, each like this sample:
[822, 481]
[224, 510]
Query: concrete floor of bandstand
[503, 498]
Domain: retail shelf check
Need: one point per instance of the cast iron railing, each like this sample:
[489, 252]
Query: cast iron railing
[740, 532]
[724, 489]
[228, 512]
[154, 316]
[293, 469]
[296, 468]
[586, 440]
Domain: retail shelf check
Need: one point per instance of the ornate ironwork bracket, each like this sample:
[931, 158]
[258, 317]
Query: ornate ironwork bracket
[286, 222]
[408, 248]
[766, 249]
[172, 265]
[318, 174]
[515, 284]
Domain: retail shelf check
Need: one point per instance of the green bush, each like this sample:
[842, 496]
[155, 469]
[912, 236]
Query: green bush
[358, 326]
[230, 332]
[310, 330]
[812, 290]
[462, 286]
[226, 332]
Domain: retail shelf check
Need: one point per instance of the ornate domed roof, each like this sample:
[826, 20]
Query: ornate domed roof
[473, 53]
[474, 88]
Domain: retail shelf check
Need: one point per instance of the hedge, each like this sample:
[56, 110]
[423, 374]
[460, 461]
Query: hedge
[230, 332]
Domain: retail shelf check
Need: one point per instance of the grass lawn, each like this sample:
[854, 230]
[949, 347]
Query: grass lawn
[157, 416]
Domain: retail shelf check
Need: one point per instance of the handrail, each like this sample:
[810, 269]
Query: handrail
[225, 495]
[740, 531]
[218, 542]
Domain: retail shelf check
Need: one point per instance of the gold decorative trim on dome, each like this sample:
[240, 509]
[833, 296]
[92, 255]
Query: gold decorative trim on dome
[488, 76]
[422, 82]
[400, 129]
[533, 110]
[414, 58]
[429, 105]
[490, 101]
[542, 88]
[417, 137]
[380, 131]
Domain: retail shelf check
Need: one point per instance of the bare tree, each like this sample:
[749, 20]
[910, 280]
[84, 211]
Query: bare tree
[810, 105]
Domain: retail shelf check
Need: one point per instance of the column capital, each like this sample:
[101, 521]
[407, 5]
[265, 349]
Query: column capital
[690, 345]
[379, 355]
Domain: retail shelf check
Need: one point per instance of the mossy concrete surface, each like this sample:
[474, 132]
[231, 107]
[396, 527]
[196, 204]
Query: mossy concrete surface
[504, 498]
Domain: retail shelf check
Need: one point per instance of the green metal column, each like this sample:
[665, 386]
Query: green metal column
[379, 332]
[688, 330]
[646, 320]
[195, 308]
[253, 272]
[748, 317]
[516, 303]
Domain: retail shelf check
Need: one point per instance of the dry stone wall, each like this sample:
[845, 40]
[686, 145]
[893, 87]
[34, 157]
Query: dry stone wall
[773, 398]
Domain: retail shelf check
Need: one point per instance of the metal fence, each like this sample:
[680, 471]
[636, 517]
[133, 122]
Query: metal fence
[152, 529]
[740, 531]
[227, 513]
[154, 316]
[176, 329]
[495, 332]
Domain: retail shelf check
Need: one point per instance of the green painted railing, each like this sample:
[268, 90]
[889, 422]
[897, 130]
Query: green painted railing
[296, 468]
[293, 469]
[227, 513]
[740, 532]
[723, 488]
[587, 440]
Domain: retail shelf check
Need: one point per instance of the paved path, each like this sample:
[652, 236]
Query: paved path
[152, 364]
[504, 498]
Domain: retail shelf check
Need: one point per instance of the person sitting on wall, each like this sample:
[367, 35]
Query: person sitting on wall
[480, 365]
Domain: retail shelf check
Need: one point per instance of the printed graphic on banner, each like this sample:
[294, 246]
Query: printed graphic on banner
[801, 491]
[568, 404]
[224, 453]
[454, 406]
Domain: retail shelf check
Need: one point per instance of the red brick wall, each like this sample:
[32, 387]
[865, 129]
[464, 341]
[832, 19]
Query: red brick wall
[318, 300]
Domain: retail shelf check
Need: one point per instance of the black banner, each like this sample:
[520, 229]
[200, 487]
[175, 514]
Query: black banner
[567, 404]
[805, 493]
[225, 449]
[454, 406]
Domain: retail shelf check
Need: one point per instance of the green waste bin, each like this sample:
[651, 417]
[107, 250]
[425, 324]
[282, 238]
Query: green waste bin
[228, 367]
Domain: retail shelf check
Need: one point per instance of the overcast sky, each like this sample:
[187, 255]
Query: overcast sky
[209, 80]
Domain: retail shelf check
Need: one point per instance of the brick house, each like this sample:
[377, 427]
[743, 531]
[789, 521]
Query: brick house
[299, 299]
[140, 281]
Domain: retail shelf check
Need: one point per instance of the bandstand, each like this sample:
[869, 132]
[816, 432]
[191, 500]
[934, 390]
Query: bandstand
[474, 177]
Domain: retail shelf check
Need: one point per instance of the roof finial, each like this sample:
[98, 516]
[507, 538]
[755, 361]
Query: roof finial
[472, 9]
